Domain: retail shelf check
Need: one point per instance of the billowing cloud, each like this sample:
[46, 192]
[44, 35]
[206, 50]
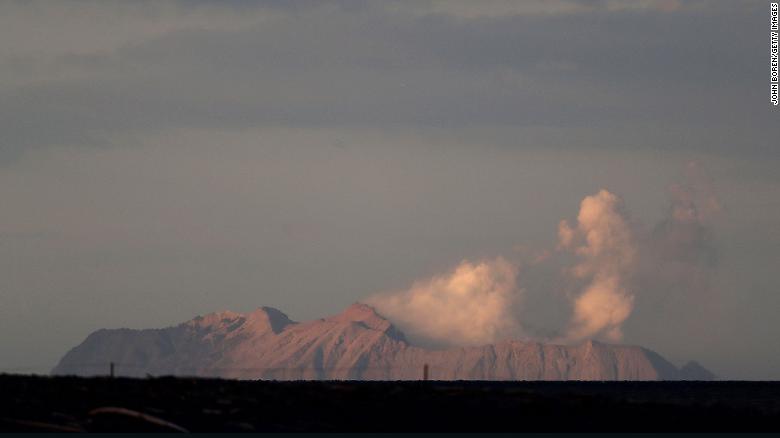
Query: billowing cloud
[604, 267]
[481, 303]
[473, 304]
[605, 246]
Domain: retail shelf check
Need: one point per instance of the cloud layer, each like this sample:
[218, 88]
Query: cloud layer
[88, 73]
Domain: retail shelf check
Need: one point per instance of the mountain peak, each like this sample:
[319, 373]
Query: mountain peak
[215, 319]
[269, 317]
[367, 315]
[360, 311]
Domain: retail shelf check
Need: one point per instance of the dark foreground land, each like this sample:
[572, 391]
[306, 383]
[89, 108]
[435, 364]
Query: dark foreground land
[160, 404]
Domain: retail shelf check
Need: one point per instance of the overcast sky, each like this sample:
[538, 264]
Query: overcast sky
[160, 160]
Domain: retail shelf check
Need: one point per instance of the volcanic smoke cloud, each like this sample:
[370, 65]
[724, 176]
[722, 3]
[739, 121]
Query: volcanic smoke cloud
[472, 305]
[480, 303]
[679, 256]
[606, 248]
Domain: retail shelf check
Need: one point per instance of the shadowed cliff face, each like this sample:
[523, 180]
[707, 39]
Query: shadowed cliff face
[356, 344]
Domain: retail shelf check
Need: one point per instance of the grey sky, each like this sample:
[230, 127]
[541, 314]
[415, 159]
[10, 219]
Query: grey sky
[164, 159]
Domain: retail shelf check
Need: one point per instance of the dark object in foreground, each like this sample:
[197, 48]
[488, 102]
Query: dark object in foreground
[198, 405]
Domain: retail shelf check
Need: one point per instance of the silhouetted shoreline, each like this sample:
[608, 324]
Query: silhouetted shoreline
[39, 403]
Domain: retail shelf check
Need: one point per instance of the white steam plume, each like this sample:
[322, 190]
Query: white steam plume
[605, 245]
[473, 304]
[617, 267]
